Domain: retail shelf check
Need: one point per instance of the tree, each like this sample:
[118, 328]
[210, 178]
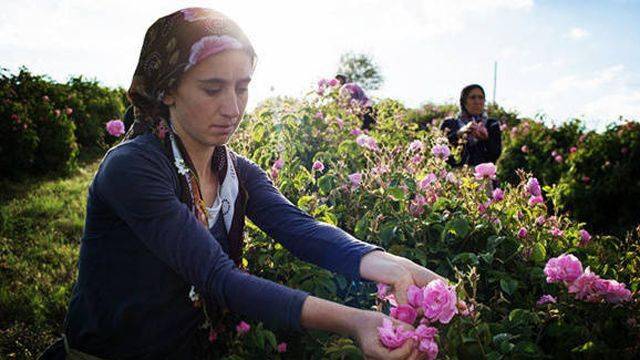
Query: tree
[361, 69]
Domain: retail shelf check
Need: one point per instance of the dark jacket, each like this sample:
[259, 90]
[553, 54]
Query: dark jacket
[142, 249]
[478, 151]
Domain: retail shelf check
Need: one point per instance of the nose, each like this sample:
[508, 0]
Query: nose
[230, 106]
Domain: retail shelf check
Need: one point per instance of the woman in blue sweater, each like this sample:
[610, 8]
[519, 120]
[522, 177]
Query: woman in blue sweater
[162, 241]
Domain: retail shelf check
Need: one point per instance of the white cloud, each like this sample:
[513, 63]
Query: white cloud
[604, 109]
[577, 33]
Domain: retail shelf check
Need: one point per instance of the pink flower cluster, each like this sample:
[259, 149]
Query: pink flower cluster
[439, 303]
[585, 285]
[323, 84]
[441, 152]
[485, 171]
[367, 142]
[115, 127]
[535, 192]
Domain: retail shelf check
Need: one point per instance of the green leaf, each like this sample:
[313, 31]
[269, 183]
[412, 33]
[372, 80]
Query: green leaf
[326, 184]
[396, 193]
[460, 226]
[467, 258]
[305, 201]
[362, 227]
[271, 338]
[509, 286]
[539, 253]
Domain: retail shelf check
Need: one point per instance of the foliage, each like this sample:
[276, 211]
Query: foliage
[361, 69]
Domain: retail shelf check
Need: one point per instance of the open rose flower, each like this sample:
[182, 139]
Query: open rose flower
[485, 171]
[497, 195]
[585, 237]
[439, 301]
[533, 200]
[441, 151]
[318, 165]
[565, 267]
[391, 336]
[414, 296]
[416, 146]
[115, 127]
[367, 142]
[355, 179]
[425, 336]
[533, 187]
[243, 328]
[405, 313]
[584, 286]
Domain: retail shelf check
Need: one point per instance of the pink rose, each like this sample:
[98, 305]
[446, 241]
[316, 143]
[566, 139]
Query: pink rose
[282, 347]
[383, 289]
[213, 336]
[278, 164]
[427, 180]
[405, 313]
[565, 267]
[485, 171]
[367, 142]
[522, 233]
[356, 132]
[319, 115]
[584, 286]
[441, 151]
[356, 179]
[318, 165]
[414, 296]
[115, 127]
[416, 208]
[613, 291]
[558, 159]
[333, 82]
[556, 232]
[524, 149]
[540, 220]
[416, 145]
[586, 179]
[425, 336]
[573, 149]
[243, 328]
[439, 301]
[533, 200]
[68, 111]
[392, 337]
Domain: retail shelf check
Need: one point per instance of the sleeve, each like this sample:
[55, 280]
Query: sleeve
[308, 239]
[450, 131]
[494, 143]
[140, 188]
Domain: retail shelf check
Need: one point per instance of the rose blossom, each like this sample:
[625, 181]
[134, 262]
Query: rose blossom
[392, 337]
[485, 171]
[565, 267]
[439, 301]
[405, 313]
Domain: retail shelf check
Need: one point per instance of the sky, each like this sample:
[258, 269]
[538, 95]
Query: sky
[556, 60]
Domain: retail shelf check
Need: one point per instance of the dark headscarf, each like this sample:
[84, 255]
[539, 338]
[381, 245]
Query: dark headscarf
[172, 45]
[464, 94]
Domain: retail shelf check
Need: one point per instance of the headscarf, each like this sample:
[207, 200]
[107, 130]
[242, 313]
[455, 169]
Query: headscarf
[172, 45]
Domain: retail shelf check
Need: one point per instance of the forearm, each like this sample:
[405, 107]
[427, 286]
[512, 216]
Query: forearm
[319, 314]
[381, 267]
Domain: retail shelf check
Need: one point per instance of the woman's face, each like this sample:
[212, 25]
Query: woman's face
[475, 102]
[210, 100]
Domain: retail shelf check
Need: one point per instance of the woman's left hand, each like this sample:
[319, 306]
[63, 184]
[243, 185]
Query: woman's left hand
[396, 271]
[480, 132]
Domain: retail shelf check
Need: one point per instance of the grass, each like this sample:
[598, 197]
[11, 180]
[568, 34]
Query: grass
[41, 225]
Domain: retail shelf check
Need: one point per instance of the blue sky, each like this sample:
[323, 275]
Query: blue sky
[563, 59]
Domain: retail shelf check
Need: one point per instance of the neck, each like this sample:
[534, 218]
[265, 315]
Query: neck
[199, 154]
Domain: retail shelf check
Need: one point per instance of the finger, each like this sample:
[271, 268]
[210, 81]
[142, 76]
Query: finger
[403, 352]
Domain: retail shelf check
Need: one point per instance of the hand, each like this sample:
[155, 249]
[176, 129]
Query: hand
[396, 271]
[366, 333]
[480, 132]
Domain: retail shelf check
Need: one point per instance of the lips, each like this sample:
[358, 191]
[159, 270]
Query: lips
[223, 129]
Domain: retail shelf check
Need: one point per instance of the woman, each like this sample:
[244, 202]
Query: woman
[479, 134]
[165, 216]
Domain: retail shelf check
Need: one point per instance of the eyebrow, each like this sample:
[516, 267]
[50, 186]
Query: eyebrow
[220, 81]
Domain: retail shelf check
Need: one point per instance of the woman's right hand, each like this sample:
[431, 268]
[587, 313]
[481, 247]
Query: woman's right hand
[365, 327]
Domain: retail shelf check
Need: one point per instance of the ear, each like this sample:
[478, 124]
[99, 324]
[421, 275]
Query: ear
[168, 99]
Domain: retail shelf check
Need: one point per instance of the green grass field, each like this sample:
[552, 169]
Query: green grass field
[40, 229]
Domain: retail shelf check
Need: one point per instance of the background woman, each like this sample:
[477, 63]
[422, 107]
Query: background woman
[480, 134]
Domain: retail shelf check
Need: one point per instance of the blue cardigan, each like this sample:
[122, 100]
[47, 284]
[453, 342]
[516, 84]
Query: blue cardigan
[142, 249]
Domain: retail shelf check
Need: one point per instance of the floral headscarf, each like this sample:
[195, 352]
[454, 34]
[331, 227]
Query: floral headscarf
[172, 45]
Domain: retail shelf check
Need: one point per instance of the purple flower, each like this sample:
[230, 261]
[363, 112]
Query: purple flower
[497, 195]
[485, 171]
[585, 237]
[427, 180]
[565, 267]
[441, 151]
[556, 232]
[278, 164]
[367, 142]
[115, 127]
[533, 187]
[282, 347]
[546, 299]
